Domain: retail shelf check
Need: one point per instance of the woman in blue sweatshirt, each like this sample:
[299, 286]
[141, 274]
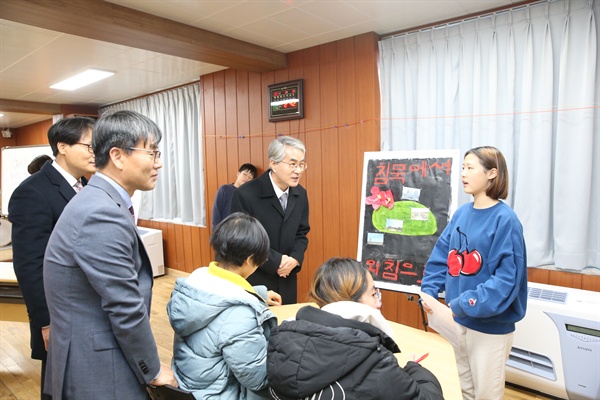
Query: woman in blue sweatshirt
[481, 263]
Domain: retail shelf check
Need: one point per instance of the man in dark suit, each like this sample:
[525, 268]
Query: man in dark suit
[34, 208]
[280, 203]
[97, 274]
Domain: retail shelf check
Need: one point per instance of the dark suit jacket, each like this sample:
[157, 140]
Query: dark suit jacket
[33, 209]
[287, 231]
[98, 281]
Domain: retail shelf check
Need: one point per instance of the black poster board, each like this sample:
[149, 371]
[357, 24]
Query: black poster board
[407, 200]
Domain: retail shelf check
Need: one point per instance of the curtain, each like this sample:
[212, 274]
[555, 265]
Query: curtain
[527, 81]
[179, 192]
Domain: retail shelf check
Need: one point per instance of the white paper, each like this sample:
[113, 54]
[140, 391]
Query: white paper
[441, 319]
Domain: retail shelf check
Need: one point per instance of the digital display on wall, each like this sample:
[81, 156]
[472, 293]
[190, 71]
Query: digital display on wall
[286, 101]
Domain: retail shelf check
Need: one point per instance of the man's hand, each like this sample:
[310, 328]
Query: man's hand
[165, 377]
[287, 265]
[46, 336]
[273, 298]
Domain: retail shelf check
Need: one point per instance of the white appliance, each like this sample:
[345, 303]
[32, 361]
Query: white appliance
[152, 239]
[556, 347]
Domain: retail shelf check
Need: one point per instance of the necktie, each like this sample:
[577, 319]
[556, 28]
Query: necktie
[283, 201]
[78, 186]
[132, 212]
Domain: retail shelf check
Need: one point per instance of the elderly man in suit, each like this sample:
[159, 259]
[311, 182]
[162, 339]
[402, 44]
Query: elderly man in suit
[34, 208]
[280, 203]
[98, 277]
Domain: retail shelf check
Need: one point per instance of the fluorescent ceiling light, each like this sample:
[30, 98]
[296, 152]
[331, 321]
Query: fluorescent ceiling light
[85, 78]
[1, 115]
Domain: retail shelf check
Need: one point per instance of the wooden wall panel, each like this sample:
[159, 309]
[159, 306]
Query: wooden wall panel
[33, 134]
[348, 166]
[234, 147]
[209, 138]
[258, 153]
[220, 118]
[4, 142]
[331, 178]
[312, 176]
[243, 122]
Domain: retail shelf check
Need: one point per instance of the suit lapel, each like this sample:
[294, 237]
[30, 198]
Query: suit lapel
[291, 203]
[267, 191]
[57, 179]
[116, 197]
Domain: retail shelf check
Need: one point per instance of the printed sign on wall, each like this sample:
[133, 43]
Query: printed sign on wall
[408, 198]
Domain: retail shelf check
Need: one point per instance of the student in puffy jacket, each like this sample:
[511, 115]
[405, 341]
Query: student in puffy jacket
[221, 322]
[345, 349]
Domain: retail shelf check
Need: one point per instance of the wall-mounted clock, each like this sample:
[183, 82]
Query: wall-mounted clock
[286, 101]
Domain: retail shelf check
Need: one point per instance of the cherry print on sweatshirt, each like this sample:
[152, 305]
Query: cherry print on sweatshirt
[465, 262]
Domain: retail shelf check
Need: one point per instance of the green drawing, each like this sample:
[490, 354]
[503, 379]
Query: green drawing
[407, 218]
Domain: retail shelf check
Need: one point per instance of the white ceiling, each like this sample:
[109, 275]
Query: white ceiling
[32, 59]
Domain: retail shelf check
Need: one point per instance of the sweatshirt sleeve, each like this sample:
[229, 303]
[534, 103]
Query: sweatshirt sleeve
[436, 268]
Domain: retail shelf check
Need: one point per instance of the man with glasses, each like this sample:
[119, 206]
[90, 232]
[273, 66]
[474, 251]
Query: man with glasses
[34, 208]
[98, 278]
[280, 203]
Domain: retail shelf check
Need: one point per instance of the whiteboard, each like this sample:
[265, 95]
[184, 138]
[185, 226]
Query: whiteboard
[14, 168]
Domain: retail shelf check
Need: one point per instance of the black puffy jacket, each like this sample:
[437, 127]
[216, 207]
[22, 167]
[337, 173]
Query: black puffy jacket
[333, 357]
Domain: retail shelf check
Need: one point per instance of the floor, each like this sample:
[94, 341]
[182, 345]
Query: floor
[19, 375]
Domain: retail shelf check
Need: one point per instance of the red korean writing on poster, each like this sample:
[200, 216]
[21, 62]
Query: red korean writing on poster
[387, 171]
[390, 270]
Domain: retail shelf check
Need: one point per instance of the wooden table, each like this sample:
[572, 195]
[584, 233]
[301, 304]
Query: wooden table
[410, 340]
[11, 309]
[6, 253]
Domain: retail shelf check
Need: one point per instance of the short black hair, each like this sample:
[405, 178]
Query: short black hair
[248, 167]
[122, 129]
[68, 131]
[37, 163]
[238, 237]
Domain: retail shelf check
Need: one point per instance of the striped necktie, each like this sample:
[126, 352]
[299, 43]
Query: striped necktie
[78, 186]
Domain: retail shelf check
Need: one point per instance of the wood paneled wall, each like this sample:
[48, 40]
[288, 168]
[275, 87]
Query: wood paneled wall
[33, 134]
[341, 93]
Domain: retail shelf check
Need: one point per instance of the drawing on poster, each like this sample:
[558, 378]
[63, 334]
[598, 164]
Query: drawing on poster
[408, 199]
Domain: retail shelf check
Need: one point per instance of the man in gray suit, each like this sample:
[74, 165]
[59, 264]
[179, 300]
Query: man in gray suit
[97, 275]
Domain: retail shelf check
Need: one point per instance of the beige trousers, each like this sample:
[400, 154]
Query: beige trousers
[480, 360]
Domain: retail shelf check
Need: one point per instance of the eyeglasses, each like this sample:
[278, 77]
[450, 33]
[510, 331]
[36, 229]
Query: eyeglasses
[377, 294]
[89, 147]
[155, 154]
[294, 165]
